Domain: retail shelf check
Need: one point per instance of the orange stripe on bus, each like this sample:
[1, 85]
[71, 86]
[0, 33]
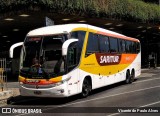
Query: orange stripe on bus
[117, 36]
[57, 79]
[127, 58]
[40, 81]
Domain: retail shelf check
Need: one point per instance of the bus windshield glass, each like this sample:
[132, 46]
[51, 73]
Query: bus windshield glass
[42, 56]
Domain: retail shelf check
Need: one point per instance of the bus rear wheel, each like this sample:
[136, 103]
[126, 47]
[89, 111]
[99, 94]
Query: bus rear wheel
[128, 78]
[132, 76]
[86, 88]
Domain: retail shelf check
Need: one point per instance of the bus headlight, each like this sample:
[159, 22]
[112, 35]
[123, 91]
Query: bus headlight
[63, 81]
[20, 83]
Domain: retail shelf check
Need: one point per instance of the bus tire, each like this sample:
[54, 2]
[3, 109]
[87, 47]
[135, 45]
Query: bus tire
[86, 88]
[128, 78]
[132, 76]
[10, 100]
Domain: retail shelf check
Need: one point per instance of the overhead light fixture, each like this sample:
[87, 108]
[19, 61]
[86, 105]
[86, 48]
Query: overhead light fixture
[15, 30]
[140, 27]
[142, 37]
[108, 24]
[65, 19]
[149, 27]
[156, 34]
[8, 19]
[138, 35]
[24, 15]
[82, 21]
[8, 41]
[119, 25]
[4, 36]
[111, 28]
[144, 31]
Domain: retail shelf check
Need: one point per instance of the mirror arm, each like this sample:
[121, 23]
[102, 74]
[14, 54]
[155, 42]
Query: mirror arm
[66, 44]
[13, 47]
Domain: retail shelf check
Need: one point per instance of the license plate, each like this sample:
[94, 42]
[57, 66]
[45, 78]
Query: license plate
[33, 81]
[37, 92]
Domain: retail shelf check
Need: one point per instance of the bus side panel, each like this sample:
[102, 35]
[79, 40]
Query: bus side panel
[73, 83]
[137, 65]
[109, 74]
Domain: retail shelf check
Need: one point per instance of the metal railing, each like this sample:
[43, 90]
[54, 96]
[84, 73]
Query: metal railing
[3, 74]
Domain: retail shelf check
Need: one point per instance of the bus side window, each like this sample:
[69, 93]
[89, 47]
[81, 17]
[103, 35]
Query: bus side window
[137, 47]
[113, 45]
[93, 44]
[72, 56]
[104, 44]
[80, 35]
[128, 47]
[133, 47]
[120, 46]
[123, 46]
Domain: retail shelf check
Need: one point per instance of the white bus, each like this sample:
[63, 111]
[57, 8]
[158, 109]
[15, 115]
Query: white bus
[64, 60]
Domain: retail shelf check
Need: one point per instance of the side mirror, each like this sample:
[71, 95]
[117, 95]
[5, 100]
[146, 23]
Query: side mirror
[66, 44]
[13, 47]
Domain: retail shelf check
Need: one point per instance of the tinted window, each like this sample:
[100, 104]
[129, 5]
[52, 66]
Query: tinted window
[138, 47]
[133, 47]
[93, 44]
[119, 46]
[128, 46]
[72, 57]
[104, 43]
[113, 45]
[80, 35]
[123, 46]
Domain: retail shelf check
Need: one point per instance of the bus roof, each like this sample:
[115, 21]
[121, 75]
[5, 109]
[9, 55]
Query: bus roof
[66, 28]
[55, 29]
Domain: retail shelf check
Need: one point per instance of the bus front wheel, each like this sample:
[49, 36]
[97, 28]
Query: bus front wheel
[86, 88]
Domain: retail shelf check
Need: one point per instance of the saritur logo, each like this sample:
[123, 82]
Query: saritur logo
[108, 59]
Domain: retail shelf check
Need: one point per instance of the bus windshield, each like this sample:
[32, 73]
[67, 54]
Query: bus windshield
[42, 56]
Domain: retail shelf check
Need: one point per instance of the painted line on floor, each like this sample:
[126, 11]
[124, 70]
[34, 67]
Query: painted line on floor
[106, 96]
[110, 96]
[147, 80]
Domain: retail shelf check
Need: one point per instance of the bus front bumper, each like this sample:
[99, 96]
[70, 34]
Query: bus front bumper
[44, 91]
